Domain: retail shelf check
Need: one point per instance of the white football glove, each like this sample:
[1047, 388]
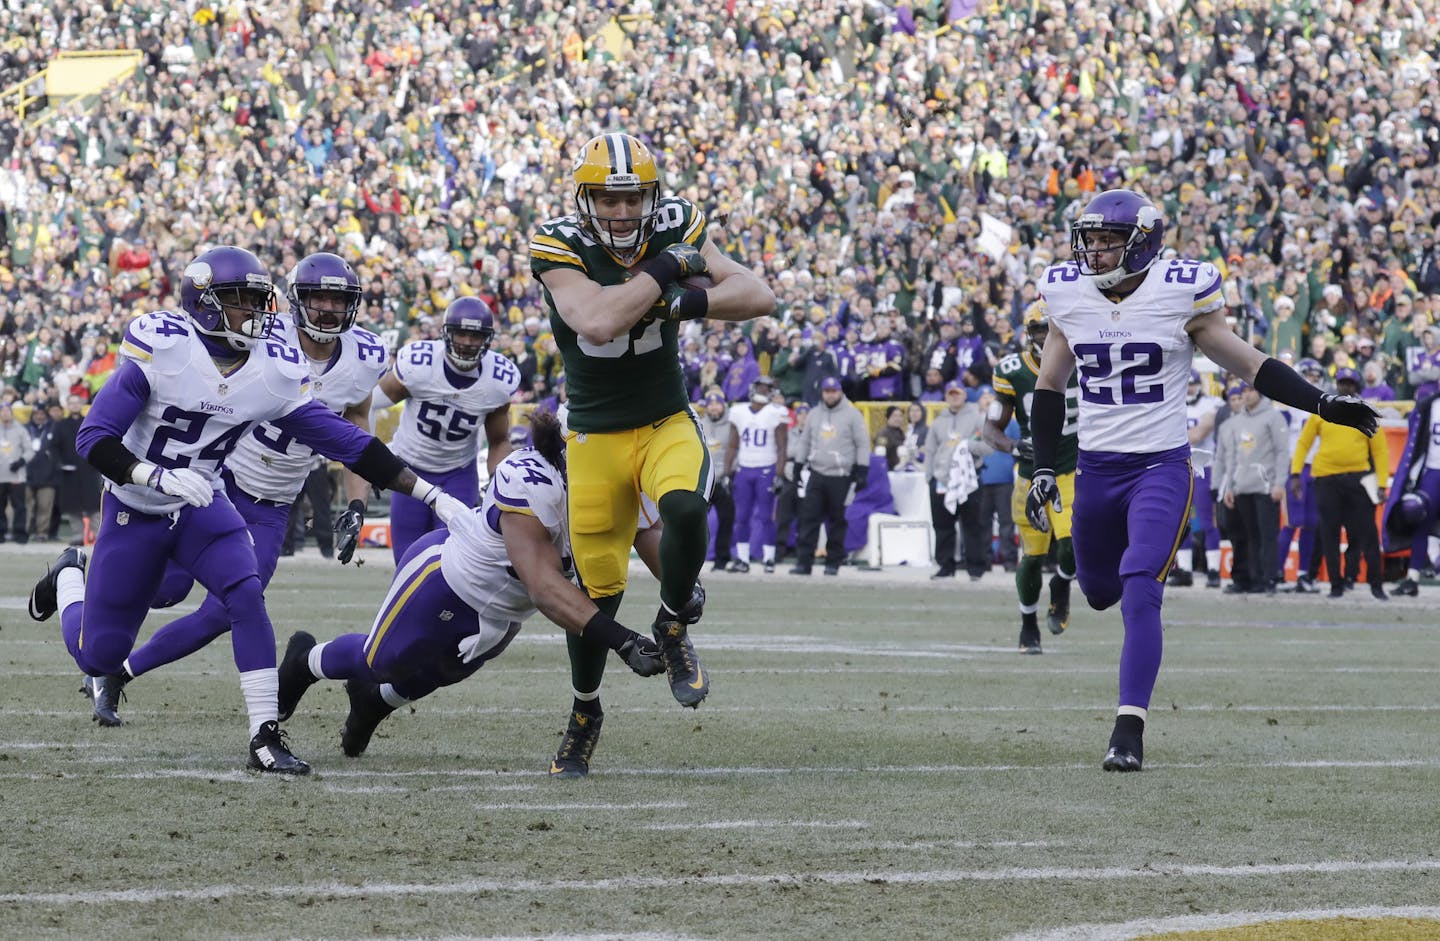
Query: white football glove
[180, 482]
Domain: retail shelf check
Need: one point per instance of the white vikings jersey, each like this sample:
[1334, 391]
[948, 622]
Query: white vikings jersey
[196, 415]
[270, 464]
[474, 559]
[444, 416]
[1195, 411]
[1134, 356]
[757, 434]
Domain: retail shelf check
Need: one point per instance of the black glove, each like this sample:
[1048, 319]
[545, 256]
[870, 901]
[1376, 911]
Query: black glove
[18, 463]
[681, 260]
[642, 655]
[1349, 410]
[347, 530]
[777, 485]
[1043, 490]
[859, 476]
[688, 257]
[1024, 450]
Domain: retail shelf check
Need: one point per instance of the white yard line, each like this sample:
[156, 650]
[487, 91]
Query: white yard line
[1149, 926]
[293, 891]
[200, 773]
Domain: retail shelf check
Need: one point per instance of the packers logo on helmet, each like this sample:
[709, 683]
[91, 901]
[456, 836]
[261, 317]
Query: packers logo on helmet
[617, 165]
[1037, 325]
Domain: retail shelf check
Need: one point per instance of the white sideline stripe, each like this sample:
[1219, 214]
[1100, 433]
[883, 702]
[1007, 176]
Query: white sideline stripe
[227, 775]
[633, 883]
[763, 825]
[1148, 926]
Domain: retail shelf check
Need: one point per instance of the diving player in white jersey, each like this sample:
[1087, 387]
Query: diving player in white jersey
[268, 467]
[757, 448]
[449, 390]
[188, 387]
[458, 598]
[1132, 330]
[1200, 412]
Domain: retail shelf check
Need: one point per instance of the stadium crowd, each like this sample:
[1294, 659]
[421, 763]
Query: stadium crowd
[899, 174]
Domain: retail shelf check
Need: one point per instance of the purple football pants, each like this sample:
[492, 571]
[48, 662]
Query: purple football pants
[410, 518]
[755, 508]
[183, 636]
[1205, 511]
[414, 644]
[1129, 520]
[126, 567]
[1300, 513]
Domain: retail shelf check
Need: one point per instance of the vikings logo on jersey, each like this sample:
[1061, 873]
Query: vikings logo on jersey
[196, 415]
[1133, 356]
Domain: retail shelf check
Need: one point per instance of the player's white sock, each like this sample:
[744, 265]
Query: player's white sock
[1432, 546]
[591, 696]
[1138, 712]
[1413, 574]
[1028, 608]
[261, 689]
[767, 553]
[392, 698]
[69, 588]
[742, 552]
[1184, 561]
[314, 661]
[1212, 560]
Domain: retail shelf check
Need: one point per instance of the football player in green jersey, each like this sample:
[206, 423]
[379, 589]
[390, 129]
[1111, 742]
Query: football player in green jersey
[1014, 384]
[618, 275]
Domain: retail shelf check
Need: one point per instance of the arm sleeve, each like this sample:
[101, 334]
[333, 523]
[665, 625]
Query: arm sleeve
[315, 425]
[119, 403]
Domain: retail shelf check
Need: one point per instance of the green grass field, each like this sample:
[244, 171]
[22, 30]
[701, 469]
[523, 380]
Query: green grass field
[874, 761]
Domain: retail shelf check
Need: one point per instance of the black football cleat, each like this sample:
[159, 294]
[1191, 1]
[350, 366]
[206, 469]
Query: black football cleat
[738, 567]
[43, 602]
[367, 710]
[770, 568]
[1030, 634]
[1058, 617]
[1179, 578]
[576, 747]
[1127, 745]
[1378, 593]
[689, 683]
[295, 675]
[270, 752]
[832, 570]
[107, 692]
[1408, 587]
[1212, 580]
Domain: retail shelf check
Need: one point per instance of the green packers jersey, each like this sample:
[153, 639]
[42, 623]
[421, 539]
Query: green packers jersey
[1014, 382]
[634, 379]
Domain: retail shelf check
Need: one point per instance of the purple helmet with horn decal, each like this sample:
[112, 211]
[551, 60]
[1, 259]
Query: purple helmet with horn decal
[226, 283]
[324, 295]
[1127, 214]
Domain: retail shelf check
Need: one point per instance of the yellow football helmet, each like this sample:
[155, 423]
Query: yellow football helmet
[1037, 325]
[617, 163]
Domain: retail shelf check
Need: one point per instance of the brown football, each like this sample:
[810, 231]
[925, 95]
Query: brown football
[702, 281]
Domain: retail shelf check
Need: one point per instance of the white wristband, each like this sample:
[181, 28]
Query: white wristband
[141, 474]
[425, 491]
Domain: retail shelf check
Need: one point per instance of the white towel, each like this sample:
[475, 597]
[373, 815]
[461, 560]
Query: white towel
[963, 479]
